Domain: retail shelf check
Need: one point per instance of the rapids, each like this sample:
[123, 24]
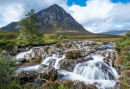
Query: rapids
[92, 71]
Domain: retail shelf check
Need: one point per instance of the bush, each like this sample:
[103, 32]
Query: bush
[73, 54]
[46, 49]
[6, 73]
[58, 45]
[68, 84]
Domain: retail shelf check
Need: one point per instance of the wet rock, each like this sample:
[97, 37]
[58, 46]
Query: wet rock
[106, 60]
[26, 75]
[84, 60]
[18, 63]
[103, 53]
[67, 65]
[105, 69]
[21, 60]
[52, 62]
[47, 72]
[27, 56]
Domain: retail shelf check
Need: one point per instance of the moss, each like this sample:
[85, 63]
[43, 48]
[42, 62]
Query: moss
[46, 49]
[58, 45]
[73, 54]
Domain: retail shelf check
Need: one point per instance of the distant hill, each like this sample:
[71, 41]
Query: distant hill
[54, 20]
[116, 32]
[12, 27]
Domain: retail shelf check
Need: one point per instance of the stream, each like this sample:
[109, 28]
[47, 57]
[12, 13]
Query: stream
[90, 72]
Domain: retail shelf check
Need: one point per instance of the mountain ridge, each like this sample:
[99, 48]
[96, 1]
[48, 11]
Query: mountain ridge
[116, 32]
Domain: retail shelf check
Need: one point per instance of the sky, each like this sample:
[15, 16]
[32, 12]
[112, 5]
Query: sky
[95, 15]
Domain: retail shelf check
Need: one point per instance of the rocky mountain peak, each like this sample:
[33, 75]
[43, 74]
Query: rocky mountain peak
[55, 19]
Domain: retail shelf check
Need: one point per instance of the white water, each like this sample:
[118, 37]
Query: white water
[89, 72]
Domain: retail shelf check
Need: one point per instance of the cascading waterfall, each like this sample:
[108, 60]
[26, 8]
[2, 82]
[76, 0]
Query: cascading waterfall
[46, 61]
[95, 70]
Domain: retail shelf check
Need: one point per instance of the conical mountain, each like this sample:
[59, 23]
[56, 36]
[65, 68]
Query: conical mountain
[55, 20]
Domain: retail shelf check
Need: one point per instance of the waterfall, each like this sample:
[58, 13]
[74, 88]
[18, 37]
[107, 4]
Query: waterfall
[95, 69]
[91, 71]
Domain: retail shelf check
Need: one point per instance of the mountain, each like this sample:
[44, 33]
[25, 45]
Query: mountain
[12, 27]
[116, 32]
[53, 20]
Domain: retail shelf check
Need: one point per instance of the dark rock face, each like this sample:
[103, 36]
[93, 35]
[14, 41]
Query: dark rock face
[68, 65]
[21, 60]
[56, 16]
[52, 19]
[26, 75]
[47, 72]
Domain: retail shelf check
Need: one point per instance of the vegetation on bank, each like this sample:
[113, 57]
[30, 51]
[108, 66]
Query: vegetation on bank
[123, 48]
[6, 73]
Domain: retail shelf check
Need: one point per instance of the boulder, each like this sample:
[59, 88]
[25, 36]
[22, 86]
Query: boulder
[47, 72]
[27, 76]
[67, 65]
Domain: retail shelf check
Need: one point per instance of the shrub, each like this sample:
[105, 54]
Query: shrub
[58, 45]
[123, 48]
[6, 73]
[46, 49]
[68, 84]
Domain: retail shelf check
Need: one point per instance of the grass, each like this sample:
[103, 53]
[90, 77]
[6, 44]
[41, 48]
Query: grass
[8, 39]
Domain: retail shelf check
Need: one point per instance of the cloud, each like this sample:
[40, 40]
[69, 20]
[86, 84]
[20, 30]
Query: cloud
[15, 10]
[10, 13]
[100, 15]
[96, 16]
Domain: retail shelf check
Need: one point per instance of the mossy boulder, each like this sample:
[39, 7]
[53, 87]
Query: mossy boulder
[73, 54]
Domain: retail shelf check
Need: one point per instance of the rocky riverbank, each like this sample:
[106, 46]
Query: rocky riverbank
[90, 60]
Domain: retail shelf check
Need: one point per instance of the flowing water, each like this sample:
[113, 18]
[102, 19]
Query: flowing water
[92, 71]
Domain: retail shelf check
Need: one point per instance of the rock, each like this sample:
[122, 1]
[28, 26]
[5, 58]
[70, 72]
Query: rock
[27, 48]
[27, 56]
[21, 60]
[105, 69]
[84, 60]
[67, 65]
[84, 53]
[18, 63]
[106, 60]
[15, 50]
[26, 75]
[5, 53]
[22, 50]
[47, 72]
[103, 53]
